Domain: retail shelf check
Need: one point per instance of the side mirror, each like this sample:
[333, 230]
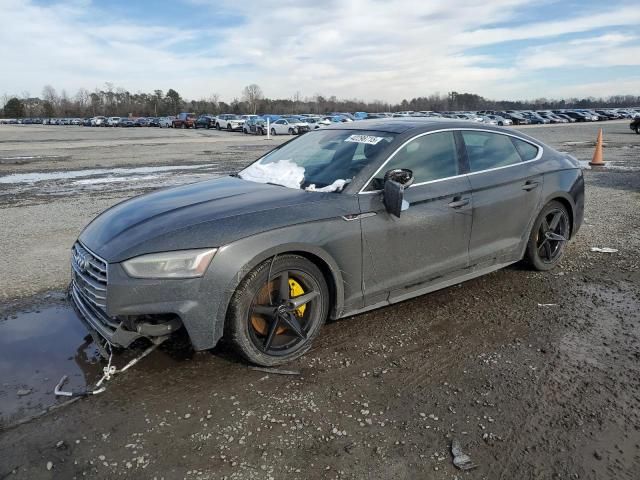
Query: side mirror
[395, 181]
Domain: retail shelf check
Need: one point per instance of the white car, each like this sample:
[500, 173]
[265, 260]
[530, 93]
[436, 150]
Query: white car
[289, 126]
[229, 122]
[113, 121]
[98, 121]
[316, 122]
[165, 122]
[501, 121]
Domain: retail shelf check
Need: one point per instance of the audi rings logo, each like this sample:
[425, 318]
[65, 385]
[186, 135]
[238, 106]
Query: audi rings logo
[81, 261]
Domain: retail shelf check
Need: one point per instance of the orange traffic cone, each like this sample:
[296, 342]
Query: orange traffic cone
[597, 155]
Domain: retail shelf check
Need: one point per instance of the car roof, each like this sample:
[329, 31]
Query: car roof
[403, 124]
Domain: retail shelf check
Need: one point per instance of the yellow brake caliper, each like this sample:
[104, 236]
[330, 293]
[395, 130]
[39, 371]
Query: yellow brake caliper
[259, 323]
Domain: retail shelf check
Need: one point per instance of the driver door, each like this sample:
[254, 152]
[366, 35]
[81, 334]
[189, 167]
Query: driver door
[431, 237]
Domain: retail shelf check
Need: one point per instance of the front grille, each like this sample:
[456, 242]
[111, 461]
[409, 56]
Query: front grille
[89, 276]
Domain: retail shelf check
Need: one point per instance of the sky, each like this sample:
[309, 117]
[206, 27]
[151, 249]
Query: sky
[384, 50]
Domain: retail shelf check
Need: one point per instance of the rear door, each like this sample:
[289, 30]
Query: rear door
[431, 237]
[506, 182]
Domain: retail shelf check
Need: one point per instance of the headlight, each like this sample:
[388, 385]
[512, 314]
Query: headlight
[179, 264]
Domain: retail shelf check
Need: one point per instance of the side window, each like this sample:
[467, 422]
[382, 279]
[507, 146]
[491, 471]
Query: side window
[280, 122]
[429, 157]
[526, 150]
[489, 150]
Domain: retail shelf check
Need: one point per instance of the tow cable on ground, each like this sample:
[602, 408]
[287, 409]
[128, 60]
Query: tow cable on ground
[108, 373]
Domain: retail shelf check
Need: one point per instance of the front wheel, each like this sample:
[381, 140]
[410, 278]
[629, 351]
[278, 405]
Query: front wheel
[278, 310]
[549, 237]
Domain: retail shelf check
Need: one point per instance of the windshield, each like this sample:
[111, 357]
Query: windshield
[322, 160]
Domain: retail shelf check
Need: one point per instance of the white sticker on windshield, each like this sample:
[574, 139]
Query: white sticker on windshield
[364, 139]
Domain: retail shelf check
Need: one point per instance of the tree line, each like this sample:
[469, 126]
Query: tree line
[117, 101]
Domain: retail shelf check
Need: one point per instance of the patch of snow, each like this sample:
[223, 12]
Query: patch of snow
[282, 172]
[98, 181]
[64, 175]
[336, 186]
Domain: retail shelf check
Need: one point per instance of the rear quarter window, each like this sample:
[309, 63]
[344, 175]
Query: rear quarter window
[487, 150]
[527, 150]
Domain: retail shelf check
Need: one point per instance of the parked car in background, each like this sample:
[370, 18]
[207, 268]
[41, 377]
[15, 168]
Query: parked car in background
[514, 116]
[184, 120]
[153, 121]
[566, 117]
[255, 125]
[501, 121]
[229, 121]
[552, 117]
[535, 119]
[289, 126]
[316, 122]
[577, 116]
[488, 120]
[165, 122]
[126, 122]
[282, 126]
[97, 121]
[205, 121]
[635, 125]
[113, 121]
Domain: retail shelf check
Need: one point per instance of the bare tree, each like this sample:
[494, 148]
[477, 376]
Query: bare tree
[252, 94]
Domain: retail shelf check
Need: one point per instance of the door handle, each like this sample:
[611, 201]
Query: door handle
[458, 202]
[530, 185]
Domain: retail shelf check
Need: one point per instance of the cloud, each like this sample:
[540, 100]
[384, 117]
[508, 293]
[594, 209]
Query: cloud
[370, 49]
[601, 51]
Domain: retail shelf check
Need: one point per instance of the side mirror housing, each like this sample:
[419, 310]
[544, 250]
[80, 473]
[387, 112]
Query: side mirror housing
[395, 182]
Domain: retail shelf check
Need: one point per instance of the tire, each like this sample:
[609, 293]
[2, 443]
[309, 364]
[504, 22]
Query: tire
[638, 130]
[183, 125]
[217, 126]
[273, 132]
[544, 253]
[267, 339]
[291, 131]
[229, 129]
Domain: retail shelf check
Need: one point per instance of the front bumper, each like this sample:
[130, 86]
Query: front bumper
[112, 308]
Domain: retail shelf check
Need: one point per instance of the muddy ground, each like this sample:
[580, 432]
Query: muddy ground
[537, 375]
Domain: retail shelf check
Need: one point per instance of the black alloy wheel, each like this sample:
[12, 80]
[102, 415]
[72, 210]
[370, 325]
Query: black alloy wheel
[278, 310]
[549, 237]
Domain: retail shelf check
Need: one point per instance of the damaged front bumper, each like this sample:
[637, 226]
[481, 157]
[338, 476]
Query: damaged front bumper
[90, 292]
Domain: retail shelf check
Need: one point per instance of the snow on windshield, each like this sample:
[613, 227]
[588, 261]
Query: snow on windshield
[282, 172]
[336, 186]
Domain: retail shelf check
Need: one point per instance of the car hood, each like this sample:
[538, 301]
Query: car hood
[205, 214]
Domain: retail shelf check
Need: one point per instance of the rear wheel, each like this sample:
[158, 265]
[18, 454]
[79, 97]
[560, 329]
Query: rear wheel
[278, 310]
[273, 132]
[549, 237]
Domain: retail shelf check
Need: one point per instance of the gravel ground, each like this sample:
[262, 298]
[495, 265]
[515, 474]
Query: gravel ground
[536, 375]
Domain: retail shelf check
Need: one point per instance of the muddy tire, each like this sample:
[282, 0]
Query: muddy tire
[549, 237]
[277, 310]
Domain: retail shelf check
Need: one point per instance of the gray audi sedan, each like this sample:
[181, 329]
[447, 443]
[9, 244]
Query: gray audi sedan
[333, 223]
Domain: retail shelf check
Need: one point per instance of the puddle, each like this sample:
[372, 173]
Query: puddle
[40, 344]
[38, 347]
